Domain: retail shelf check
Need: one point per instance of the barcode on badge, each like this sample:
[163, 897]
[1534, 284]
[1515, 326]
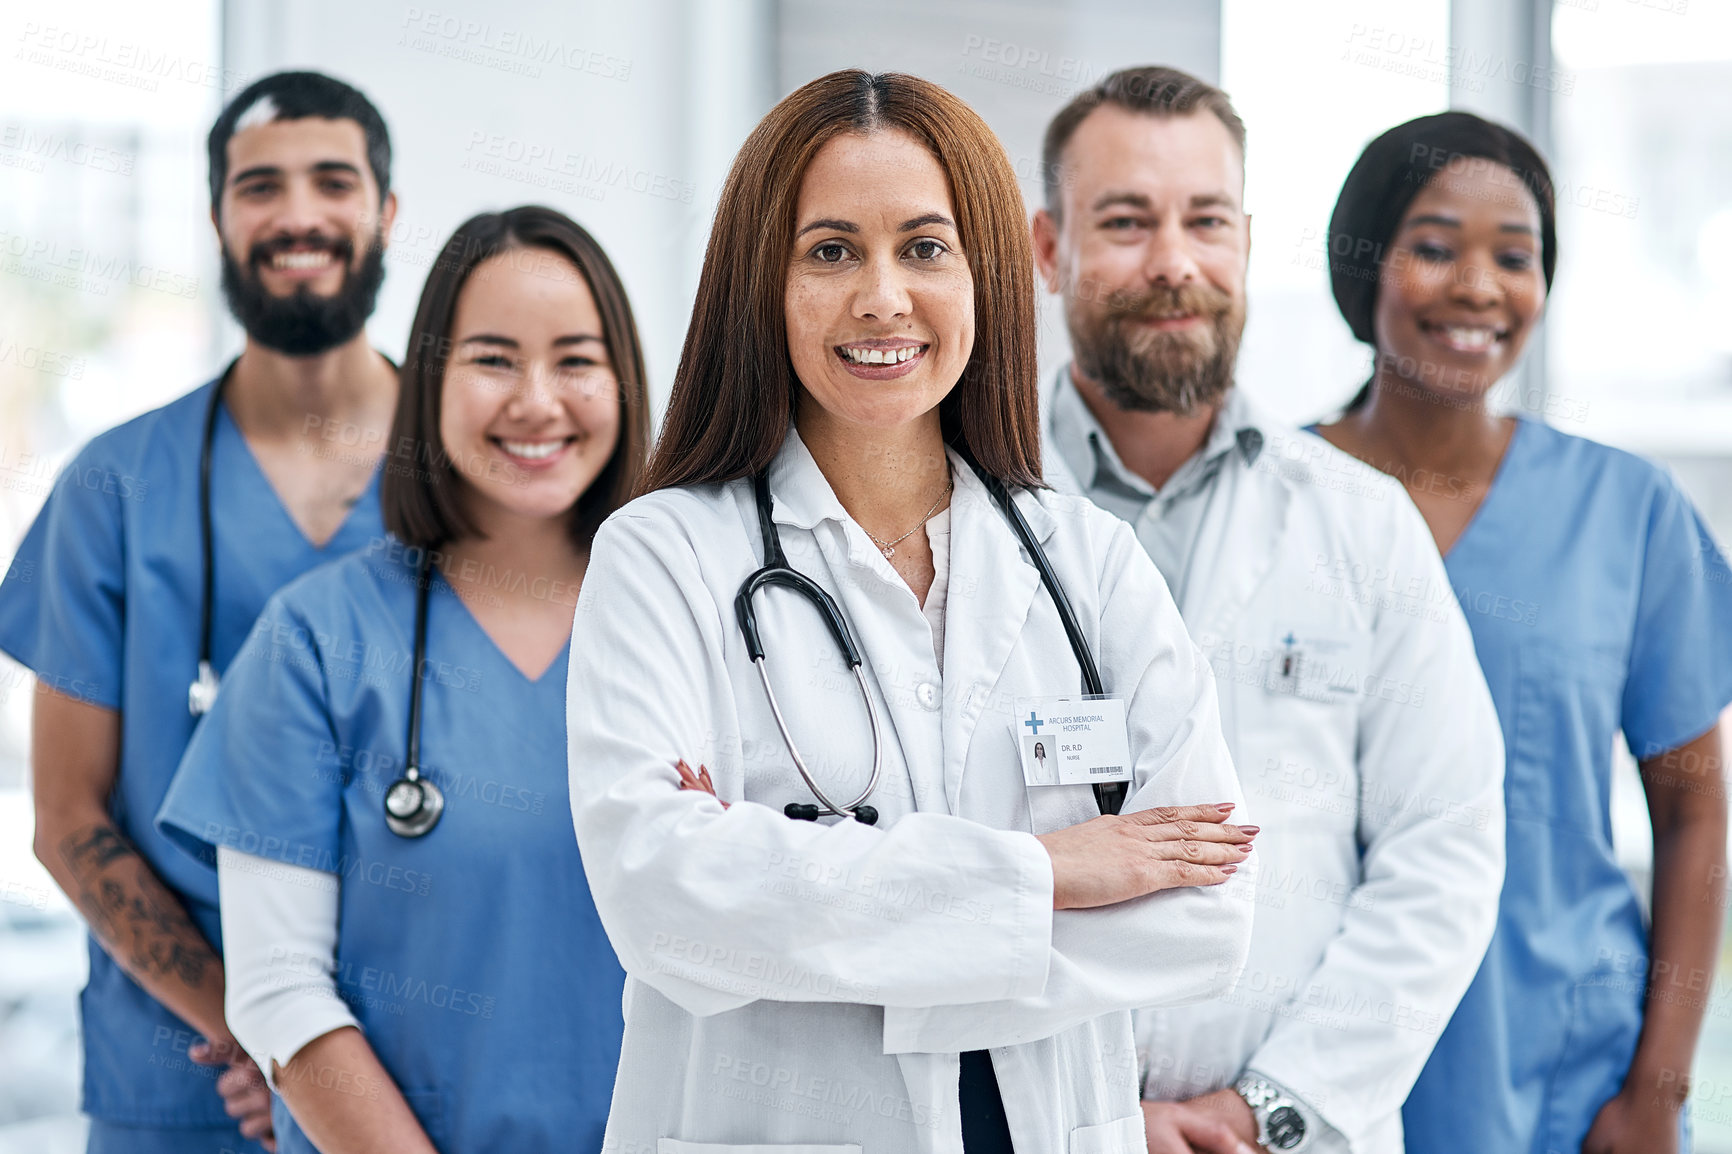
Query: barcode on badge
[1106, 769]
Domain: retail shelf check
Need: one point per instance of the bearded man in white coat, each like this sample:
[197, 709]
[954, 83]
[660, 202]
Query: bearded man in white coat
[1357, 716]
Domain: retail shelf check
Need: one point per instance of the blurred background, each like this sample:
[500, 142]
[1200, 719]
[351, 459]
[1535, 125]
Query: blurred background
[626, 116]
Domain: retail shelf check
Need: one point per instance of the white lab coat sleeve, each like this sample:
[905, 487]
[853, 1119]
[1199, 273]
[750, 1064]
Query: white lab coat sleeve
[692, 896]
[1166, 949]
[1431, 828]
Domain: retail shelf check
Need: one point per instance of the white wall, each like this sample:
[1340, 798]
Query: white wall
[1016, 63]
[660, 94]
[623, 115]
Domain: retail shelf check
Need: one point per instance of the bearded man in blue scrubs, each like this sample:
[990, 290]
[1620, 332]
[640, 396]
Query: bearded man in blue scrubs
[108, 603]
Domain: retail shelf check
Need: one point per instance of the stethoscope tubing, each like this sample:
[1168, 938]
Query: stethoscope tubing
[428, 798]
[1109, 796]
[777, 571]
[201, 694]
[829, 806]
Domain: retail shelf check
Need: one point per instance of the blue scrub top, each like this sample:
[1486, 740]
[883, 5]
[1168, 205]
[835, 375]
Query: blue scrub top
[473, 957]
[102, 604]
[1598, 603]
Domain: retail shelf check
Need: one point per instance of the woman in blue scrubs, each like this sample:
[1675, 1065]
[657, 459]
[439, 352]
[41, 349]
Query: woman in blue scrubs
[448, 987]
[1599, 604]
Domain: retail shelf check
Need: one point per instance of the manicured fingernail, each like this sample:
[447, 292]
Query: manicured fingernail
[1231, 869]
[1250, 830]
[1246, 848]
[1226, 807]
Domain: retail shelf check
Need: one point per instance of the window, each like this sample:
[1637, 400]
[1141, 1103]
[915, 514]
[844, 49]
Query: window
[109, 293]
[1314, 83]
[1642, 149]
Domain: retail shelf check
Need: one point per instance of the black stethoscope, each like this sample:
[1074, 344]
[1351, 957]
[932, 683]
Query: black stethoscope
[1109, 796]
[412, 803]
[201, 693]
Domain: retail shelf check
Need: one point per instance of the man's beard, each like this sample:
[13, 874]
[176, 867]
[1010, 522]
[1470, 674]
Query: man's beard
[1149, 370]
[302, 324]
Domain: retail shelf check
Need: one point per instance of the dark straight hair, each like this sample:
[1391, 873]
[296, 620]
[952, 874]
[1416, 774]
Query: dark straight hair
[298, 96]
[420, 492]
[735, 391]
[1387, 177]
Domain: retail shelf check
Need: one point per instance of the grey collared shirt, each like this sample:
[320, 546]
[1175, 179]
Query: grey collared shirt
[1166, 520]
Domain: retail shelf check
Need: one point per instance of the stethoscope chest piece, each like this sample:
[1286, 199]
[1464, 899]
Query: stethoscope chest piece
[201, 694]
[413, 805]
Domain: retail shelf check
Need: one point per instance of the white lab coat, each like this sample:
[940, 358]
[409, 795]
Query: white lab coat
[1377, 777]
[799, 987]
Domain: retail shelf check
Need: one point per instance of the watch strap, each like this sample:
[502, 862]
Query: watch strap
[1265, 1098]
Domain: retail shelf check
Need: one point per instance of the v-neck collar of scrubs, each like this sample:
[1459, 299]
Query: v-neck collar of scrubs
[368, 494]
[1517, 440]
[440, 583]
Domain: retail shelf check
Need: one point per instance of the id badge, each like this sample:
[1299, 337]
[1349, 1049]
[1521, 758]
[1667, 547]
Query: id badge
[1077, 740]
[1318, 667]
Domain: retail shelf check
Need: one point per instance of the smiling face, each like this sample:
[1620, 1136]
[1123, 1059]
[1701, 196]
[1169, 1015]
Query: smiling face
[530, 408]
[1462, 286]
[1149, 252]
[303, 232]
[880, 300]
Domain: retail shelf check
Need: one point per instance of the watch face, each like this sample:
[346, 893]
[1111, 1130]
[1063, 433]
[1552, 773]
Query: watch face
[1286, 1128]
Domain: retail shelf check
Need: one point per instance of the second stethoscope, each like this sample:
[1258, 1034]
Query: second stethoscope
[201, 694]
[413, 803]
[1109, 796]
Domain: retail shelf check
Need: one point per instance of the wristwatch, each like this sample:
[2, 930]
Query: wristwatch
[1280, 1125]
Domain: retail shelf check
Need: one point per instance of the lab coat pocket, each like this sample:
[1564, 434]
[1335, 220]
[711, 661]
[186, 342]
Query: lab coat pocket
[1056, 807]
[1124, 1136]
[675, 1146]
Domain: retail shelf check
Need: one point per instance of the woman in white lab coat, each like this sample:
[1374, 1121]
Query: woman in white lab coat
[958, 974]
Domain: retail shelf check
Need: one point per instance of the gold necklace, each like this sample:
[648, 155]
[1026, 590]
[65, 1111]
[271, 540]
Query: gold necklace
[888, 548]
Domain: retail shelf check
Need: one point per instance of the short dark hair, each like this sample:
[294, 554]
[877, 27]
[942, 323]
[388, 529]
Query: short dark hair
[1151, 88]
[1391, 172]
[735, 390]
[419, 492]
[300, 96]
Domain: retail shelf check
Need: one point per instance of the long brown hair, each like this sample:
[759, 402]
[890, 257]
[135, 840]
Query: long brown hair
[735, 390]
[419, 495]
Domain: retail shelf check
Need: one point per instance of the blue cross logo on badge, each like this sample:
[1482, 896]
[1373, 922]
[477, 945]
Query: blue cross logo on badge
[1034, 723]
[1289, 659]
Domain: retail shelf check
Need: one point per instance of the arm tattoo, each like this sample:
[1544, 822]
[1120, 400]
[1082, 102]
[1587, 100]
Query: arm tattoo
[138, 920]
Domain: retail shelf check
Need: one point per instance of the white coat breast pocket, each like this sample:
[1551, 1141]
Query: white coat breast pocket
[674, 1146]
[1317, 665]
[1124, 1136]
[1056, 807]
[1298, 731]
